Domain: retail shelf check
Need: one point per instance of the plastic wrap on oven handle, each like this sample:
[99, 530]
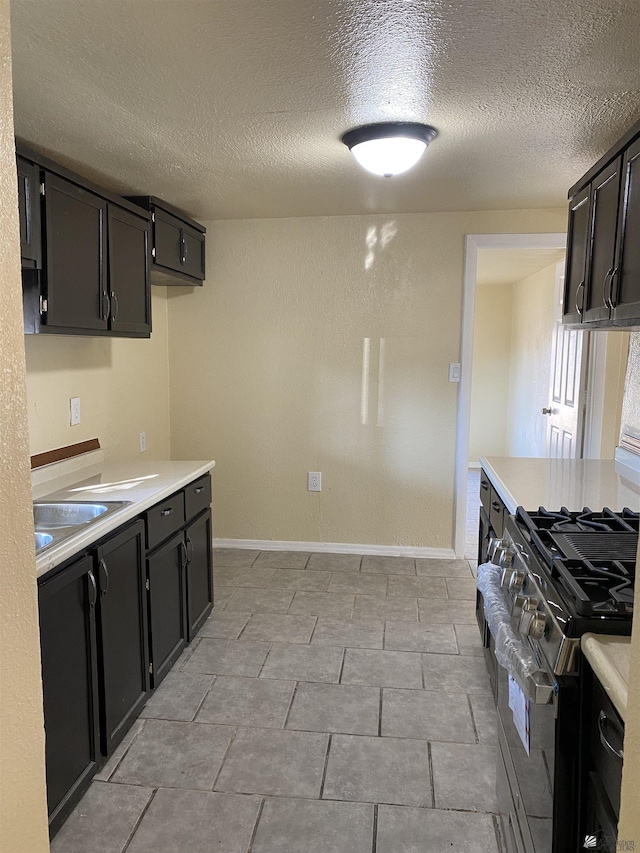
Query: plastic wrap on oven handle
[510, 651]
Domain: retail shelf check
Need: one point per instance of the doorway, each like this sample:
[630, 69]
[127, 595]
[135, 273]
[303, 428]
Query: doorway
[512, 285]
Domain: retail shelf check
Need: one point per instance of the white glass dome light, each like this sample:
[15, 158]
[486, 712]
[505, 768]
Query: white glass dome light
[389, 149]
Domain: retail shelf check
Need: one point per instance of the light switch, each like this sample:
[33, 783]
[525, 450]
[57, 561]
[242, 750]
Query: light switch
[455, 372]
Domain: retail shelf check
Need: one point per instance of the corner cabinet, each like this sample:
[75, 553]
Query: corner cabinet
[113, 620]
[178, 249]
[85, 255]
[602, 277]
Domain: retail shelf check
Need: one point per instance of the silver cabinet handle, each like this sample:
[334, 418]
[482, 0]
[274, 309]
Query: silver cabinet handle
[167, 511]
[189, 550]
[613, 300]
[93, 598]
[103, 571]
[602, 721]
[580, 290]
[198, 489]
[606, 286]
[114, 299]
[184, 556]
[106, 306]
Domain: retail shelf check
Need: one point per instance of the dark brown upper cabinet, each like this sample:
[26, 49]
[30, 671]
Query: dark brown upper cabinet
[29, 213]
[602, 277]
[178, 250]
[625, 285]
[94, 274]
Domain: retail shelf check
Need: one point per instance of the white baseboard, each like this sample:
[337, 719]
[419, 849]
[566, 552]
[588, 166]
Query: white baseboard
[337, 548]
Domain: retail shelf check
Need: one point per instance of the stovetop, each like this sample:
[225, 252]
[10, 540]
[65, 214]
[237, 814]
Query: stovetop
[590, 556]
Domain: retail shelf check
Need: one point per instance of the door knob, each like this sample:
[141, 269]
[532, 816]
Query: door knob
[547, 411]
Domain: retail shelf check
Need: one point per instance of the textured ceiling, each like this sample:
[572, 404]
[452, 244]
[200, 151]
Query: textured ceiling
[506, 266]
[235, 108]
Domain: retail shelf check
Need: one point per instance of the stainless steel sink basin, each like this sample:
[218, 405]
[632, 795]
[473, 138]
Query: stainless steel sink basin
[56, 521]
[66, 514]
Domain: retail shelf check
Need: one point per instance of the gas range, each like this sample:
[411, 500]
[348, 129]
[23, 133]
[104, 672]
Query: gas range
[566, 573]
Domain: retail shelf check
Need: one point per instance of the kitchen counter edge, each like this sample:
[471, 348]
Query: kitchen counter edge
[610, 658]
[181, 474]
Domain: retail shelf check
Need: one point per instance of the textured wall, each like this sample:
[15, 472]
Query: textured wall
[23, 816]
[490, 380]
[323, 345]
[630, 420]
[530, 371]
[123, 385]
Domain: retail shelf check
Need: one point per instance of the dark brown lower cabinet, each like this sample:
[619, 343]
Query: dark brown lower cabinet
[167, 605]
[122, 633]
[70, 685]
[199, 571]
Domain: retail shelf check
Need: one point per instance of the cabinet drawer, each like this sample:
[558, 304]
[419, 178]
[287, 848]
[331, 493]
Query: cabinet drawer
[496, 513]
[164, 519]
[485, 491]
[606, 726]
[197, 496]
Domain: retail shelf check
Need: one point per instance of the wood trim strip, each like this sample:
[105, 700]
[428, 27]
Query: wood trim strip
[67, 452]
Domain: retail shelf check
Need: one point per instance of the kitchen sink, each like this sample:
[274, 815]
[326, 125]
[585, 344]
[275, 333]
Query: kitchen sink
[56, 521]
[66, 514]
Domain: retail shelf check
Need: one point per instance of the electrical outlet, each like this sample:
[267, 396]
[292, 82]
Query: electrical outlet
[143, 442]
[314, 481]
[74, 411]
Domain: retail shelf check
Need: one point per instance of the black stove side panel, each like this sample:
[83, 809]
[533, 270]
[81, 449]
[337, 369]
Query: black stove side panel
[566, 782]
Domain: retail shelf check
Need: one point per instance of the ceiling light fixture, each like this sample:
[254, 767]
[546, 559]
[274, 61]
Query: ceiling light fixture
[390, 148]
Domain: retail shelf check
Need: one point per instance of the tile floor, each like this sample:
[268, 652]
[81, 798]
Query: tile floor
[331, 704]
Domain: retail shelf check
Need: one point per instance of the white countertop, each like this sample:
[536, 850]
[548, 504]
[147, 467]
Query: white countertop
[610, 659]
[143, 483]
[552, 483]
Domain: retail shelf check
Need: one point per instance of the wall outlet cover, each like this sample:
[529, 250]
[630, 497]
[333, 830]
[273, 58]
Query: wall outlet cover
[74, 411]
[314, 481]
[143, 442]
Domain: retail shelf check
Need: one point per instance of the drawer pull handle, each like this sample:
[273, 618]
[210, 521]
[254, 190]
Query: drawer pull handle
[168, 511]
[495, 505]
[484, 485]
[602, 722]
[93, 589]
[198, 489]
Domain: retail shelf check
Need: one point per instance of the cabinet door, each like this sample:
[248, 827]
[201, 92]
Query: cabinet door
[199, 571]
[192, 257]
[29, 213]
[626, 281]
[70, 685]
[577, 246]
[75, 223]
[605, 196]
[130, 303]
[124, 652]
[179, 249]
[167, 605]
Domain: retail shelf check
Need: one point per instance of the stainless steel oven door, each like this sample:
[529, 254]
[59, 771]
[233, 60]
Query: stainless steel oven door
[529, 775]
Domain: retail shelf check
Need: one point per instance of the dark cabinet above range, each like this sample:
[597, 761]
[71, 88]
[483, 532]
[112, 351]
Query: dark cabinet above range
[602, 279]
[85, 254]
[178, 244]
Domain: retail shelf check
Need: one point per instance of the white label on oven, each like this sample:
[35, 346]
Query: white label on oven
[520, 707]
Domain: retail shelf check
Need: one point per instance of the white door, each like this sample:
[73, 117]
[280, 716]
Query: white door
[567, 387]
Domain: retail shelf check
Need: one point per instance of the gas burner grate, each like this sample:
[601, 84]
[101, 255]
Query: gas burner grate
[603, 587]
[596, 546]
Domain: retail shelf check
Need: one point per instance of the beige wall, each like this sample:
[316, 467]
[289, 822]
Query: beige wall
[629, 828]
[123, 385]
[490, 379]
[267, 373]
[530, 370]
[23, 816]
